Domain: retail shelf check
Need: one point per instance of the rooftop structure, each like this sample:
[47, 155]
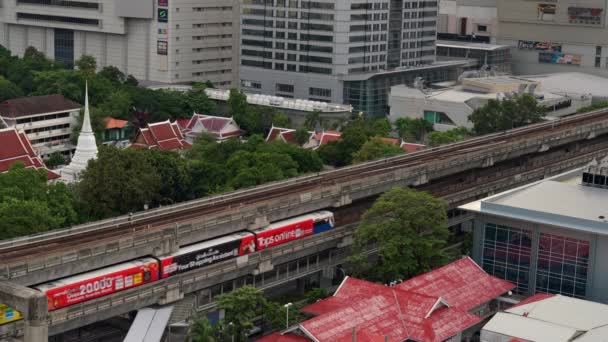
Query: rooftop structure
[163, 135]
[315, 139]
[471, 20]
[117, 132]
[445, 303]
[47, 120]
[573, 83]
[86, 148]
[549, 318]
[15, 147]
[221, 128]
[450, 107]
[496, 57]
[558, 229]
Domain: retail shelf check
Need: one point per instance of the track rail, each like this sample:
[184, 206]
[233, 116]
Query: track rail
[161, 217]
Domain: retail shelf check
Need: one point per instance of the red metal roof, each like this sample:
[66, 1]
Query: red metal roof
[183, 123]
[16, 147]
[33, 105]
[164, 135]
[327, 136]
[276, 337]
[536, 298]
[463, 284]
[410, 147]
[420, 310]
[115, 123]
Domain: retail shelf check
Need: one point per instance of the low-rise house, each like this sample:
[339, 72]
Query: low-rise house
[163, 135]
[549, 318]
[220, 128]
[15, 147]
[47, 121]
[116, 132]
[450, 303]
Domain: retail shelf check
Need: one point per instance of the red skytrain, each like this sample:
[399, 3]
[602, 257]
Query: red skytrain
[79, 288]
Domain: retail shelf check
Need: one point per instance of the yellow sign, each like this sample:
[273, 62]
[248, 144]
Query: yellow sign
[8, 314]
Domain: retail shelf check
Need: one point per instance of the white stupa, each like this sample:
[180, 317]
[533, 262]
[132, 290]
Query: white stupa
[86, 148]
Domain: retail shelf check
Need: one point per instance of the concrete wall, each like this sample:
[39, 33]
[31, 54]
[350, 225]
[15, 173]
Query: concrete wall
[477, 13]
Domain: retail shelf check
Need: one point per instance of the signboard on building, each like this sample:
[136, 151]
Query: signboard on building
[163, 3]
[163, 15]
[543, 46]
[163, 31]
[162, 47]
[585, 15]
[559, 58]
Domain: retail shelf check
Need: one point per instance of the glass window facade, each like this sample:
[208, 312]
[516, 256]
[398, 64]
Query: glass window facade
[507, 253]
[562, 265]
[64, 47]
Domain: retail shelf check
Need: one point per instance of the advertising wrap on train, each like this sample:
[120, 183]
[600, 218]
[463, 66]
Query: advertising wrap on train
[284, 234]
[200, 258]
[8, 314]
[102, 285]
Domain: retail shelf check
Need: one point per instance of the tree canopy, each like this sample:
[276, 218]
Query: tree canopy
[409, 228]
[29, 205]
[376, 148]
[502, 115]
[410, 129]
[441, 138]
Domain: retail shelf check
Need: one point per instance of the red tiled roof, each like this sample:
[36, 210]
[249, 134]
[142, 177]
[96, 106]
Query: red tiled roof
[16, 147]
[425, 308]
[536, 298]
[463, 284]
[215, 124]
[164, 135]
[183, 123]
[33, 105]
[276, 337]
[115, 123]
[393, 141]
[327, 136]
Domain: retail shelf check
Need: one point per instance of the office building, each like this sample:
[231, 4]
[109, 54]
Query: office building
[337, 51]
[555, 36]
[47, 120]
[548, 237]
[467, 20]
[166, 41]
[482, 55]
[449, 107]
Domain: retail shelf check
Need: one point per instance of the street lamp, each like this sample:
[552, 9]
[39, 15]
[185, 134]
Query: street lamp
[287, 312]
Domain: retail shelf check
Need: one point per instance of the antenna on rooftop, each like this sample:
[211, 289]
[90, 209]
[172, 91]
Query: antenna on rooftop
[596, 174]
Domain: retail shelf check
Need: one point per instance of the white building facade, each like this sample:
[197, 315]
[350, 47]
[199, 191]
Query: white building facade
[47, 121]
[468, 18]
[305, 49]
[166, 41]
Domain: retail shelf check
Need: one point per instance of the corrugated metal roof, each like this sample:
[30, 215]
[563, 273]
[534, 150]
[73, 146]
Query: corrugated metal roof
[149, 325]
[529, 329]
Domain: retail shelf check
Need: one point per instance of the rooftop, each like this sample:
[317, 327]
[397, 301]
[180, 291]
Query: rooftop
[160, 135]
[560, 201]
[33, 105]
[470, 45]
[430, 307]
[573, 82]
[16, 147]
[282, 102]
[115, 123]
[553, 318]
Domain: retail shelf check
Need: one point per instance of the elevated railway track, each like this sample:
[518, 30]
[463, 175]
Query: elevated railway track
[29, 254]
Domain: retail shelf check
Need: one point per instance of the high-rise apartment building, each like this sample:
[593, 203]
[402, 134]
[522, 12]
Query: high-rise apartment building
[555, 35]
[316, 49]
[166, 41]
[468, 20]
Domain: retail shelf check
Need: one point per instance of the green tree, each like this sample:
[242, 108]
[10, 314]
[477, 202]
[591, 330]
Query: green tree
[175, 173]
[202, 330]
[240, 307]
[376, 148]
[411, 130]
[441, 138]
[112, 74]
[409, 228]
[380, 127]
[315, 294]
[118, 182]
[502, 115]
[28, 204]
[198, 102]
[54, 160]
[237, 104]
[302, 136]
[313, 121]
[9, 90]
[86, 64]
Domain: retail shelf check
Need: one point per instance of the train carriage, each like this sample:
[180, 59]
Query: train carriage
[294, 228]
[102, 282]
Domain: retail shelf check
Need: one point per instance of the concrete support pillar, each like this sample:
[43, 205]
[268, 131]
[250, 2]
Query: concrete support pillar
[423, 178]
[169, 243]
[489, 161]
[343, 200]
[259, 222]
[33, 307]
[173, 295]
[264, 267]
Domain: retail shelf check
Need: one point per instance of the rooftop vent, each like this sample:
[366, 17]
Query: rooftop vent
[596, 174]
